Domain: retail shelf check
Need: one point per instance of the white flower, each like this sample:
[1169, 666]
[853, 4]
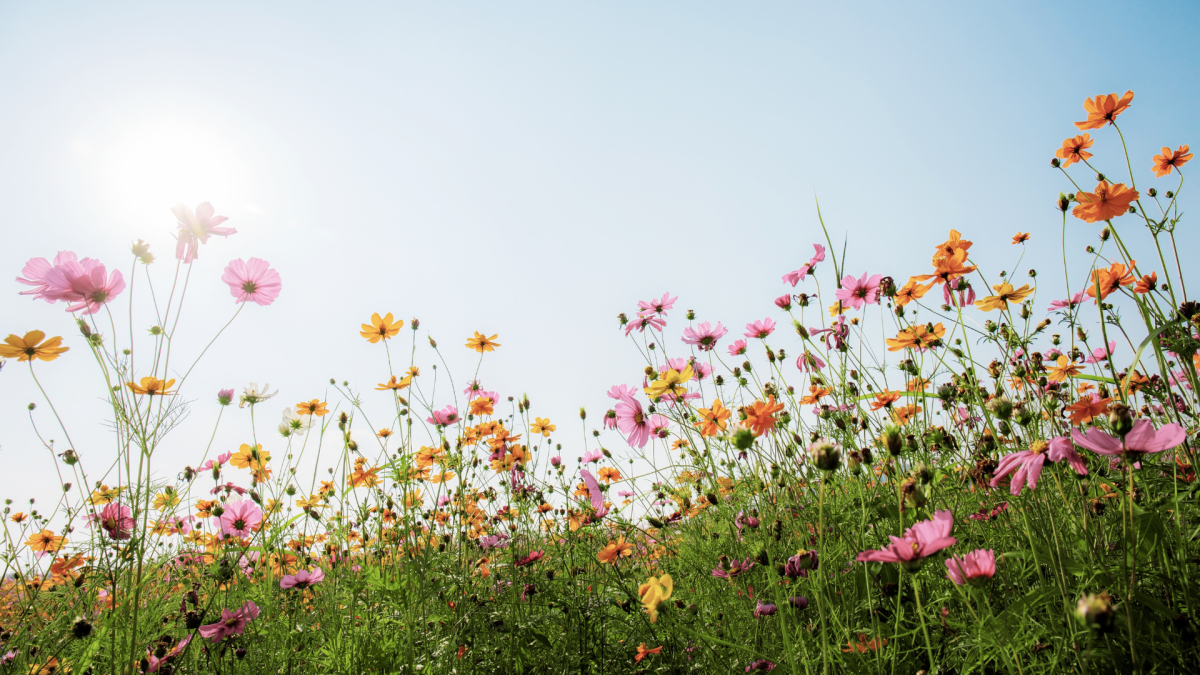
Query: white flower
[253, 394]
[294, 423]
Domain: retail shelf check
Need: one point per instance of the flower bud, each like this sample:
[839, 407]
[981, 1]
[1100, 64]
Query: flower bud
[798, 601]
[582, 413]
[892, 442]
[743, 438]
[415, 323]
[825, 454]
[1120, 419]
[1001, 407]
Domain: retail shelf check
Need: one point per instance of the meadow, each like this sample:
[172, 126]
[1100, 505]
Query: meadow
[938, 471]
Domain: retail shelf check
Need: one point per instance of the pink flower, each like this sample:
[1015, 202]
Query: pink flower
[622, 391]
[659, 425]
[117, 520]
[594, 495]
[254, 280]
[1028, 463]
[737, 348]
[240, 518]
[1143, 438]
[796, 277]
[699, 370]
[977, 564]
[855, 292]
[231, 623]
[784, 302]
[922, 539]
[962, 288]
[84, 284]
[1100, 353]
[156, 663]
[963, 416]
[225, 396]
[592, 456]
[703, 336]
[760, 329]
[1072, 303]
[530, 559]
[642, 322]
[196, 228]
[302, 579]
[1061, 449]
[36, 270]
[660, 306]
[835, 335]
[809, 362]
[445, 416]
[631, 420]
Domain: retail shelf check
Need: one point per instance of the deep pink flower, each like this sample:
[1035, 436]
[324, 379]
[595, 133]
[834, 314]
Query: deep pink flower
[642, 322]
[632, 422]
[1143, 438]
[835, 335]
[231, 623]
[1101, 354]
[737, 348]
[784, 302]
[977, 564]
[703, 336]
[731, 569]
[922, 539]
[797, 276]
[760, 329]
[240, 518]
[156, 663]
[961, 288]
[809, 362]
[252, 280]
[532, 557]
[1066, 304]
[302, 579]
[196, 228]
[445, 416]
[660, 306]
[762, 609]
[117, 520]
[1062, 450]
[855, 292]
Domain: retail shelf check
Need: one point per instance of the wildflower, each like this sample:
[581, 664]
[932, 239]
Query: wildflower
[809, 362]
[1096, 611]
[240, 518]
[1141, 439]
[533, 557]
[394, 384]
[730, 570]
[482, 406]
[919, 337]
[252, 394]
[247, 457]
[672, 382]
[799, 565]
[760, 664]
[18, 517]
[1109, 280]
[151, 386]
[737, 348]
[253, 280]
[32, 347]
[713, 419]
[760, 329]
[1147, 283]
[864, 645]
[1164, 163]
[1005, 294]
[856, 292]
[825, 454]
[797, 276]
[911, 291]
[762, 609]
[1106, 203]
[483, 344]
[1063, 369]
[542, 426]
[381, 328]
[105, 495]
[798, 601]
[595, 496]
[1068, 304]
[660, 306]
[885, 399]
[302, 579]
[642, 652]
[294, 423]
[704, 336]
[84, 284]
[165, 500]
[195, 228]
[231, 623]
[116, 520]
[760, 415]
[815, 394]
[615, 550]
[225, 396]
[641, 323]
[1028, 463]
[608, 474]
[445, 416]
[784, 302]
[655, 591]
[919, 541]
[1102, 353]
[46, 541]
[157, 663]
[1074, 150]
[1103, 110]
[632, 422]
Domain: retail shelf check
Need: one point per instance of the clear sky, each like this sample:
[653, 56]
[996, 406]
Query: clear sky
[532, 169]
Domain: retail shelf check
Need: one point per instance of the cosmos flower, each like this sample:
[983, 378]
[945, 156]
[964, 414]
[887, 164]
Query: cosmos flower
[854, 293]
[1102, 110]
[231, 623]
[655, 591]
[1102, 354]
[302, 579]
[737, 348]
[1005, 294]
[760, 329]
[797, 276]
[660, 306]
[1142, 439]
[445, 416]
[1027, 464]
[1069, 304]
[252, 281]
[481, 343]
[631, 420]
[381, 328]
[32, 347]
[1074, 150]
[704, 337]
[978, 564]
[919, 541]
[195, 228]
[1107, 202]
[117, 520]
[1164, 163]
[240, 518]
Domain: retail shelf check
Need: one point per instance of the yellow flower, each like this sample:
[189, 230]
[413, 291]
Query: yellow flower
[395, 384]
[313, 407]
[542, 426]
[27, 348]
[105, 495]
[1063, 370]
[165, 500]
[1004, 295]
[836, 308]
[312, 502]
[380, 328]
[655, 591]
[672, 382]
[151, 385]
[483, 344]
[250, 458]
[46, 541]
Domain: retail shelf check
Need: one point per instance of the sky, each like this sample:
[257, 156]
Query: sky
[530, 169]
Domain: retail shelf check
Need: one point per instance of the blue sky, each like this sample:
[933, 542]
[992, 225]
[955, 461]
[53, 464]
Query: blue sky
[532, 169]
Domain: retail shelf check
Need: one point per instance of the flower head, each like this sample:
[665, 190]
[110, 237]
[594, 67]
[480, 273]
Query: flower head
[1142, 439]
[737, 348]
[655, 591]
[1074, 150]
[978, 564]
[253, 280]
[1005, 294]
[1103, 110]
[919, 541]
[704, 336]
[1106, 203]
[481, 343]
[381, 328]
[240, 518]
[151, 386]
[659, 306]
[195, 228]
[32, 347]
[302, 579]
[1164, 163]
[854, 293]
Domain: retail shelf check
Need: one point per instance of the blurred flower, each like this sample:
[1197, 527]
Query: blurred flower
[445, 416]
[655, 591]
[660, 306]
[712, 420]
[45, 541]
[784, 302]
[31, 347]
[631, 420]
[1101, 353]
[533, 557]
[84, 284]
[302, 579]
[231, 623]
[642, 652]
[151, 386]
[1110, 279]
[1143, 438]
[254, 394]
[762, 609]
[394, 384]
[614, 551]
[225, 396]
[1072, 303]
[254, 280]
[195, 228]
[797, 276]
[295, 423]
[737, 348]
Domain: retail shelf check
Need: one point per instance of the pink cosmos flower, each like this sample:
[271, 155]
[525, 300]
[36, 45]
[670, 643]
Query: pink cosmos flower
[231, 623]
[252, 280]
[36, 269]
[1062, 450]
[855, 292]
[978, 564]
[659, 425]
[302, 579]
[1143, 438]
[958, 290]
[1100, 353]
[704, 337]
[225, 396]
[556, 461]
[195, 229]
[809, 362]
[919, 541]
[631, 420]
[784, 302]
[533, 557]
[836, 334]
[1072, 303]
[796, 277]
[963, 417]
[737, 348]
[1027, 464]
[622, 391]
[156, 663]
[117, 520]
[83, 284]
[592, 456]
[641, 323]
[240, 518]
[660, 306]
[760, 329]
[594, 494]
[445, 416]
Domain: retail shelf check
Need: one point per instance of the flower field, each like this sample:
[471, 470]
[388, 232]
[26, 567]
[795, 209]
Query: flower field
[937, 471]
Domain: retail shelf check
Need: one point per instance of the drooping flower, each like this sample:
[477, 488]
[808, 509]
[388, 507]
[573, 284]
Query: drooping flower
[394, 384]
[631, 420]
[253, 394]
[195, 228]
[655, 591]
[252, 281]
[480, 343]
[727, 569]
[760, 329]
[1142, 439]
[641, 323]
[1075, 150]
[381, 328]
[958, 292]
[32, 347]
[809, 362]
[302, 579]
[1005, 294]
[704, 336]
[1106, 203]
[854, 293]
[978, 564]
[1069, 304]
[1167, 161]
[1102, 110]
[919, 541]
[533, 557]
[1110, 279]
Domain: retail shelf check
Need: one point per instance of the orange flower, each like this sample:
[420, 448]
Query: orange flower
[608, 474]
[815, 394]
[1005, 294]
[642, 652]
[1103, 110]
[902, 414]
[27, 348]
[1064, 369]
[919, 336]
[18, 517]
[1147, 283]
[885, 399]
[1109, 280]
[46, 541]
[1087, 408]
[615, 550]
[947, 268]
[1073, 150]
[482, 405]
[313, 407]
[760, 415]
[1164, 163]
[381, 328]
[713, 419]
[911, 291]
[483, 344]
[542, 426]
[1020, 237]
[395, 384]
[1135, 382]
[151, 386]
[1107, 202]
[951, 246]
[918, 384]
[864, 645]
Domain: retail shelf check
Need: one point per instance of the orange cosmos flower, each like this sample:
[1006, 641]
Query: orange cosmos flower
[918, 384]
[814, 395]
[947, 268]
[1135, 382]
[381, 328]
[760, 416]
[252, 458]
[46, 541]
[483, 344]
[394, 384]
[1073, 150]
[1087, 408]
[1109, 280]
[28, 347]
[911, 291]
[151, 386]
[18, 517]
[542, 426]
[885, 399]
[1103, 110]
[608, 474]
[952, 245]
[642, 652]
[919, 336]
[1147, 283]
[615, 550]
[313, 407]
[384, 433]
[902, 414]
[1164, 163]
[482, 405]
[1106, 203]
[1005, 293]
[1020, 238]
[1063, 370]
[713, 419]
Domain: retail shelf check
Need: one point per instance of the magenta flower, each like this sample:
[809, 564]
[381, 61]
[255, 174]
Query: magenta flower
[117, 520]
[1143, 438]
[660, 306]
[231, 623]
[760, 665]
[632, 422]
[556, 461]
[642, 322]
[737, 348]
[762, 609]
[919, 541]
[445, 416]
[760, 329]
[302, 579]
[493, 541]
[1072, 303]
[195, 229]
[703, 336]
[809, 362]
[855, 292]
[836, 334]
[252, 280]
[784, 302]
[730, 570]
[1101, 354]
[240, 518]
[962, 289]
[532, 557]
[978, 564]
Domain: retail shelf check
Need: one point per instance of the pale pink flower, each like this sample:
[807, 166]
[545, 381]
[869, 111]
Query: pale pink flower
[631, 420]
[640, 323]
[1062, 450]
[592, 456]
[737, 348]
[1072, 303]
[622, 391]
[855, 292]
[760, 329]
[195, 229]
[1101, 354]
[797, 276]
[83, 284]
[659, 425]
[35, 274]
[447, 415]
[704, 337]
[1143, 438]
[919, 541]
[252, 280]
[978, 564]
[231, 623]
[240, 518]
[302, 579]
[836, 334]
[660, 306]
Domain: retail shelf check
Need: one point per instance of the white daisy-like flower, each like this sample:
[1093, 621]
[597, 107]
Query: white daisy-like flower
[254, 394]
